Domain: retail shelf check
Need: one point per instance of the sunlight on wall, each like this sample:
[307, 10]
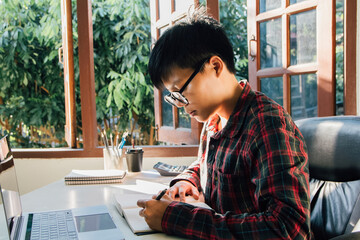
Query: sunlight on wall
[54, 169]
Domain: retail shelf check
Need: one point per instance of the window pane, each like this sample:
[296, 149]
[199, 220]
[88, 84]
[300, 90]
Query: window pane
[120, 71]
[270, 43]
[183, 5]
[273, 88]
[339, 57]
[267, 5]
[166, 112]
[184, 119]
[303, 96]
[32, 103]
[296, 1]
[303, 37]
[164, 9]
[235, 25]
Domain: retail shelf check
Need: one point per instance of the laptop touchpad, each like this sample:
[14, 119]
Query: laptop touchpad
[95, 222]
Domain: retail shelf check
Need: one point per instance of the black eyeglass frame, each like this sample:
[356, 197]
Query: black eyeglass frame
[173, 97]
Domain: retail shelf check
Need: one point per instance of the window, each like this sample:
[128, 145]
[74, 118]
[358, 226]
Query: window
[173, 125]
[292, 54]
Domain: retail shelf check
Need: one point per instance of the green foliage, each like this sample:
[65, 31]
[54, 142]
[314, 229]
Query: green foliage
[233, 16]
[31, 91]
[121, 51]
[339, 75]
[31, 79]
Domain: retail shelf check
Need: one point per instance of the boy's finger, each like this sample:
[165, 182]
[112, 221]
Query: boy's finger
[173, 192]
[182, 195]
[141, 202]
[195, 193]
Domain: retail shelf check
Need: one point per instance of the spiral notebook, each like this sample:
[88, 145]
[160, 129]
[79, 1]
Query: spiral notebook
[76, 177]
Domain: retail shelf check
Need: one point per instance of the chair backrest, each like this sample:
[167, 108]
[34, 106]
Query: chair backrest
[333, 145]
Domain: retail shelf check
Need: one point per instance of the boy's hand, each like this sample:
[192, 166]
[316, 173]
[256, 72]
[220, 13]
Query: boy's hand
[183, 189]
[153, 210]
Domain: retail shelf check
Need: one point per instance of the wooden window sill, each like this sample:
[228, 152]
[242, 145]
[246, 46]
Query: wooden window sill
[149, 151]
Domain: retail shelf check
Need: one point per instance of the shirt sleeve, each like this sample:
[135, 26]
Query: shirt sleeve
[279, 169]
[191, 174]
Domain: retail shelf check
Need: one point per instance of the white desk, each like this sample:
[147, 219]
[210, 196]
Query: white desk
[57, 196]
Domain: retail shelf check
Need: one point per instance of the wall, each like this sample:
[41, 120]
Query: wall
[35, 173]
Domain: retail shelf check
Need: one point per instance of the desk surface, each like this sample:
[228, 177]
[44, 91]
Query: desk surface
[57, 196]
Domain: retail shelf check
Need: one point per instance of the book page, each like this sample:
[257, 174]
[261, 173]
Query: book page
[126, 204]
[135, 221]
[127, 201]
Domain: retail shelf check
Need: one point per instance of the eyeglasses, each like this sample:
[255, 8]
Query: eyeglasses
[176, 98]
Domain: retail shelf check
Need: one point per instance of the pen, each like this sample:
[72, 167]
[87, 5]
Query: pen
[105, 143]
[161, 194]
[106, 140]
[123, 140]
[116, 145]
[116, 140]
[111, 141]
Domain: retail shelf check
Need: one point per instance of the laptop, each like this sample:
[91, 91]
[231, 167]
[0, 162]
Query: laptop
[79, 223]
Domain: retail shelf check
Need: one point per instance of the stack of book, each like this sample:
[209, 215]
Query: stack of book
[94, 177]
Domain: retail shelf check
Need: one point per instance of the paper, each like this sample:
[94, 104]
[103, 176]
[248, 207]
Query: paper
[94, 176]
[126, 204]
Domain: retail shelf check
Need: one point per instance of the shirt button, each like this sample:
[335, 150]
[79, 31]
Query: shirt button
[212, 147]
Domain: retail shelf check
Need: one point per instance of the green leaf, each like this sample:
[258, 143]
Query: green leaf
[25, 81]
[109, 100]
[138, 98]
[113, 75]
[118, 97]
[112, 85]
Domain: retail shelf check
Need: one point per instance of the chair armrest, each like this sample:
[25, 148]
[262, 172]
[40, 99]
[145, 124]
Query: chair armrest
[350, 236]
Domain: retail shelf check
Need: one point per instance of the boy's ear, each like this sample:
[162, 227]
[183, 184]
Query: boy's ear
[217, 64]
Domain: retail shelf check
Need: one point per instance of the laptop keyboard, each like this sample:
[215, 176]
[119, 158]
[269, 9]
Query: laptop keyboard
[53, 225]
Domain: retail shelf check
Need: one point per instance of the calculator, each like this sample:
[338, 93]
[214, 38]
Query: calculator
[169, 170]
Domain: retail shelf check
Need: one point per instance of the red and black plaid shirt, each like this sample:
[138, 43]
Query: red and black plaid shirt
[256, 177]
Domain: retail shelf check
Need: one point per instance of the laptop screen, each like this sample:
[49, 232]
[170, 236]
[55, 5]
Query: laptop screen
[10, 197]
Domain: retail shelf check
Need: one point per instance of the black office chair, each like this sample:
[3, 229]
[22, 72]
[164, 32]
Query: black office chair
[334, 162]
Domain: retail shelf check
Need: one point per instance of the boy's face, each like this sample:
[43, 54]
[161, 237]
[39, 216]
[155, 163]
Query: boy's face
[201, 92]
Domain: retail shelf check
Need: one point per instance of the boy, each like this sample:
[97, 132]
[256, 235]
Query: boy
[252, 167]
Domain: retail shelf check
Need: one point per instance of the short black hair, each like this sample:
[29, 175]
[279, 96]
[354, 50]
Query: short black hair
[186, 44]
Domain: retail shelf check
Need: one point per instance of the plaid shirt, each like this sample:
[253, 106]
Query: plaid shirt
[256, 177]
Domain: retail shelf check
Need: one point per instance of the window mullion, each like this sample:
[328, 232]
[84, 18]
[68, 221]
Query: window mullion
[87, 76]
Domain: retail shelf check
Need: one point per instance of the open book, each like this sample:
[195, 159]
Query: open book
[126, 204]
[94, 176]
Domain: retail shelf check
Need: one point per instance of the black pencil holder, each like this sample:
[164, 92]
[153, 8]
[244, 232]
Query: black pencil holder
[134, 158]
